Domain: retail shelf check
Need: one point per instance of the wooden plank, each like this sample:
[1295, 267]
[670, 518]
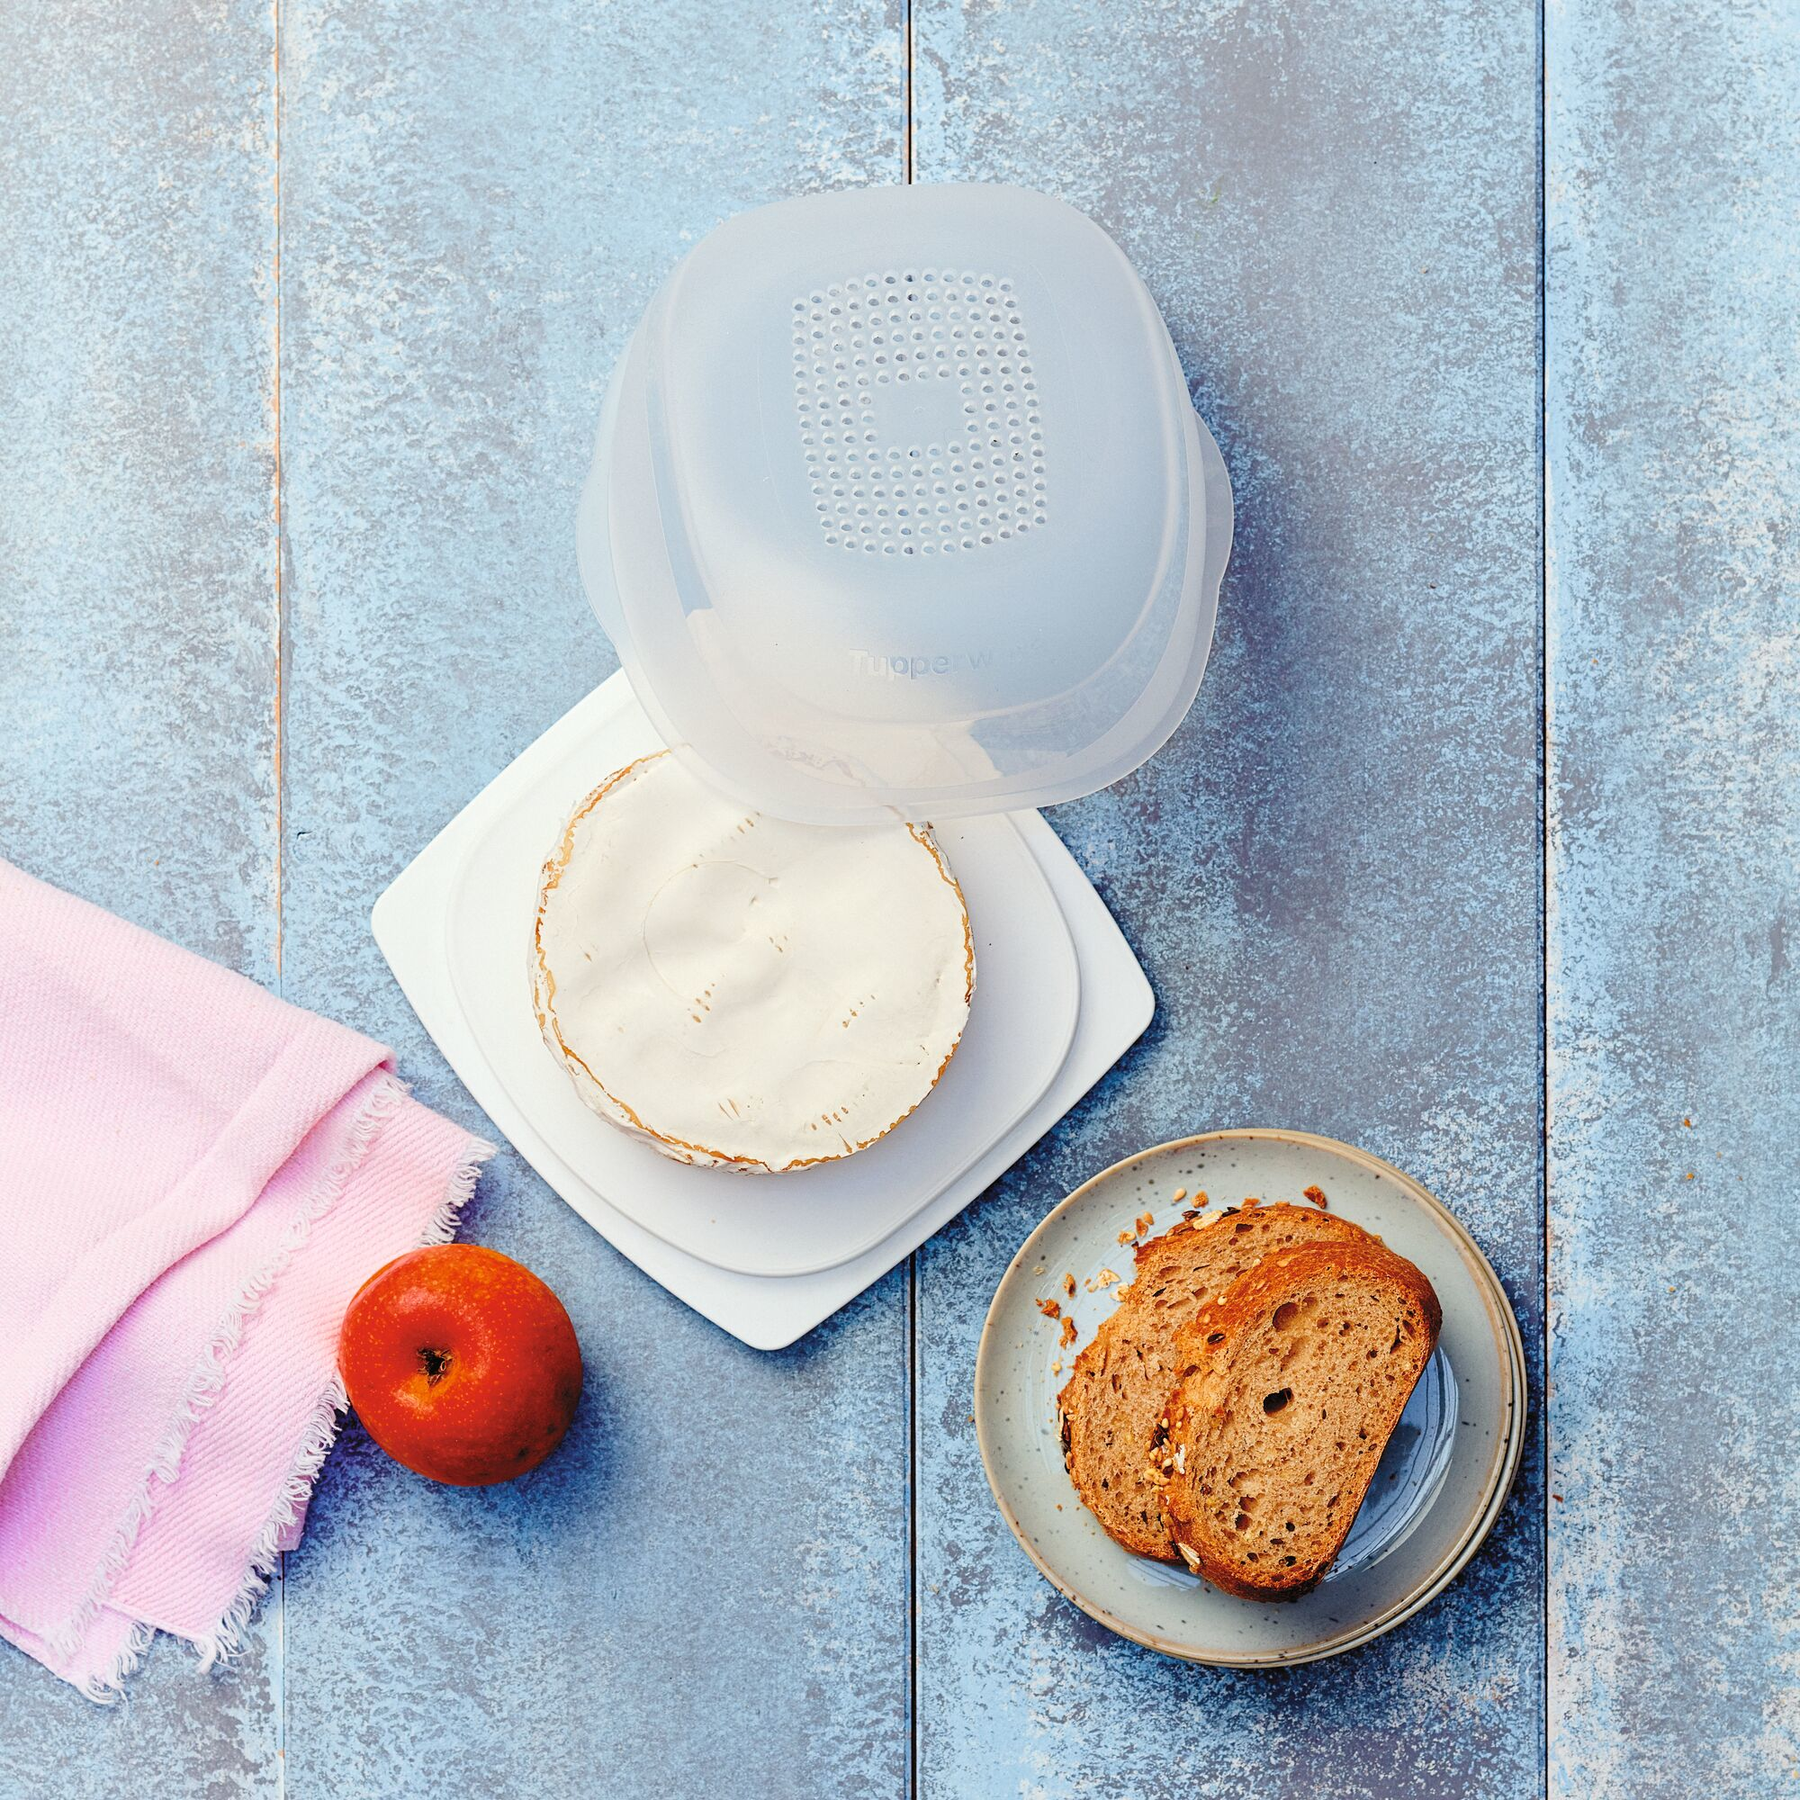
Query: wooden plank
[1333, 872]
[137, 620]
[706, 1590]
[1674, 1008]
[137, 512]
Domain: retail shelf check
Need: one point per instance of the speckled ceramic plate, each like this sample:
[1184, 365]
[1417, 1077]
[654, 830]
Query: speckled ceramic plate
[1440, 1485]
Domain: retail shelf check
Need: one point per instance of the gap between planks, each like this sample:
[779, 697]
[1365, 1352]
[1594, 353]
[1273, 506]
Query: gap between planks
[277, 1603]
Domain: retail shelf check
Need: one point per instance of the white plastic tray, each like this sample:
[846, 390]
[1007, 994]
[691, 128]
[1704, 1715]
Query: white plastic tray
[1059, 997]
[1020, 1026]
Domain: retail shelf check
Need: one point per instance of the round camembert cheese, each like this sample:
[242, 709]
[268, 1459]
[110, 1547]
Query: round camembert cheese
[741, 990]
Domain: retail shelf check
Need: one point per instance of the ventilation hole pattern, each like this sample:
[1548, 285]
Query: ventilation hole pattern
[891, 330]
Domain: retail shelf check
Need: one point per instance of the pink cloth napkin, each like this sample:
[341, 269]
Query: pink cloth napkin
[195, 1177]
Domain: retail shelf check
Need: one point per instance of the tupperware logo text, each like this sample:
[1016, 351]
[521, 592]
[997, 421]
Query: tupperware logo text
[914, 668]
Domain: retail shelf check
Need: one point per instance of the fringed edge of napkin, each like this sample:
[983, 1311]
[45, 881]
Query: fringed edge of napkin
[207, 1383]
[226, 1639]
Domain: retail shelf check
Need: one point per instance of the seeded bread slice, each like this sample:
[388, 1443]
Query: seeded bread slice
[1116, 1391]
[1292, 1383]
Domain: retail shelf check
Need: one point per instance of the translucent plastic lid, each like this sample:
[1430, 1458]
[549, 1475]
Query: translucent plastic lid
[899, 504]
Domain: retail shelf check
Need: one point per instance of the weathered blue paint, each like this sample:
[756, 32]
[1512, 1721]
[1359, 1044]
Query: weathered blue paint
[1674, 658]
[1332, 873]
[137, 620]
[705, 1590]
[137, 492]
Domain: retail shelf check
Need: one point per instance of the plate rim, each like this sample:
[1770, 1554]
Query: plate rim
[1513, 1395]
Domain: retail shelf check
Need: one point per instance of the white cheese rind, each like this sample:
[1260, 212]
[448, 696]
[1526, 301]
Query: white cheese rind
[742, 990]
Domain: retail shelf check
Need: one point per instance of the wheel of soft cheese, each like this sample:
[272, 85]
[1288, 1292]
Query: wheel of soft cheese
[740, 990]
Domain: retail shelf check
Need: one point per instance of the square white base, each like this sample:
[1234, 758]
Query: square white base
[1059, 997]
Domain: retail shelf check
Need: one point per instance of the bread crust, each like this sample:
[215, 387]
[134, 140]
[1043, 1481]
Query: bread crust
[1108, 1409]
[1233, 1459]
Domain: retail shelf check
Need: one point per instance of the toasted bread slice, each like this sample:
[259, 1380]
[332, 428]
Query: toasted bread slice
[1292, 1383]
[1110, 1404]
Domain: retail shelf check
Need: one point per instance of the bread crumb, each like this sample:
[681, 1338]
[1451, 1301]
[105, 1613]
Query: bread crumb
[1143, 1222]
[1050, 1309]
[1556, 1497]
[1124, 1238]
[1316, 1195]
[1056, 1367]
[1104, 1279]
[1069, 1283]
[1689, 1123]
[1068, 1333]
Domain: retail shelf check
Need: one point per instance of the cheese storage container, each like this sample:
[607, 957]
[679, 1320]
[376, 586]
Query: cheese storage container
[899, 505]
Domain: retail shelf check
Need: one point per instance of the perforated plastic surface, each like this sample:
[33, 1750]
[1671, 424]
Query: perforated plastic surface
[858, 345]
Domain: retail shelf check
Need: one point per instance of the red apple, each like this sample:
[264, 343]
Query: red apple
[461, 1364]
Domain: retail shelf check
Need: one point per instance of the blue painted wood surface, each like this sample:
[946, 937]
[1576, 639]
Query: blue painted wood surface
[1332, 873]
[1673, 445]
[707, 1587]
[137, 623]
[380, 280]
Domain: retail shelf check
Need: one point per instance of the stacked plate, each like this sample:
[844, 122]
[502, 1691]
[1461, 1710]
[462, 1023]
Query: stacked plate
[1058, 998]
